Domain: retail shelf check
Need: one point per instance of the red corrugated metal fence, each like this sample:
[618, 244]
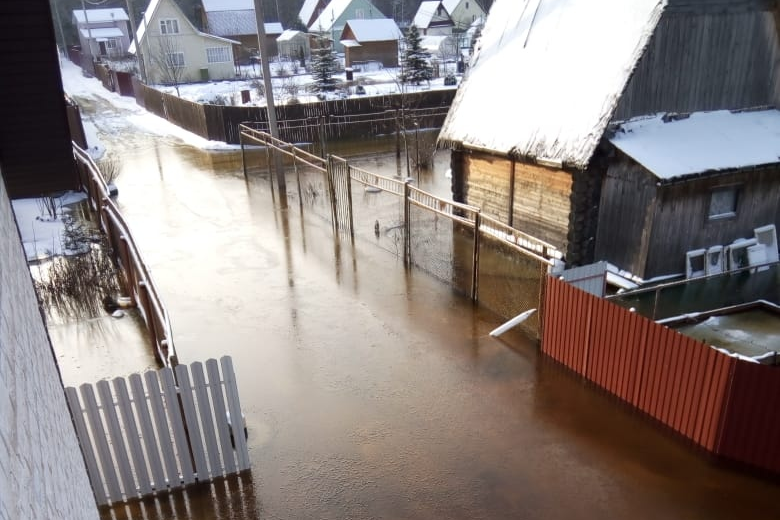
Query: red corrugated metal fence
[723, 404]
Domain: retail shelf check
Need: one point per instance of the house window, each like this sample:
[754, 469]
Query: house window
[111, 44]
[360, 14]
[723, 202]
[217, 54]
[467, 5]
[176, 59]
[169, 26]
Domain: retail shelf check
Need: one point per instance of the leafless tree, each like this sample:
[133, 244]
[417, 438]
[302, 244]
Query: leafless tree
[169, 60]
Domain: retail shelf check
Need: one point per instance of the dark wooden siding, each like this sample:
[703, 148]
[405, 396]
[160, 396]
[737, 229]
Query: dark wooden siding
[35, 150]
[625, 215]
[540, 202]
[383, 52]
[682, 223]
[707, 56]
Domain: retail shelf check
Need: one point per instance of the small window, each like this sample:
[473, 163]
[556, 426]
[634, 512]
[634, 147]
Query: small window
[467, 5]
[176, 59]
[111, 44]
[723, 203]
[359, 14]
[217, 54]
[169, 26]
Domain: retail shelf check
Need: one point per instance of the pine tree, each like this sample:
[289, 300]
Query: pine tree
[415, 66]
[323, 62]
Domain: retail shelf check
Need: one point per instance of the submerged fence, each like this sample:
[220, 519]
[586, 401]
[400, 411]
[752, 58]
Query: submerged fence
[158, 436]
[498, 266]
[137, 278]
[721, 403]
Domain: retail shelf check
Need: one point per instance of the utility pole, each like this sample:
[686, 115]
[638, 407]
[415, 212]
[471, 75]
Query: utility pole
[141, 64]
[89, 40]
[269, 94]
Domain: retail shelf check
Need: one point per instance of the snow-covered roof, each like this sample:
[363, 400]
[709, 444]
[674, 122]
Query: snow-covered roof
[103, 32]
[235, 23]
[375, 30]
[287, 35]
[434, 42]
[149, 16]
[329, 15]
[101, 15]
[307, 10]
[547, 76]
[425, 14]
[350, 43]
[211, 6]
[702, 142]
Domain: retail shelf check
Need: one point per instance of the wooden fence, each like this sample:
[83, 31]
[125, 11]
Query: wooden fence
[350, 117]
[138, 279]
[723, 404]
[160, 436]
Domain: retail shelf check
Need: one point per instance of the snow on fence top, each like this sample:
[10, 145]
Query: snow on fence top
[547, 76]
[702, 142]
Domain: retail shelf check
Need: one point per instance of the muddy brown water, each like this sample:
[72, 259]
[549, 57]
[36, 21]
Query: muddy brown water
[375, 392]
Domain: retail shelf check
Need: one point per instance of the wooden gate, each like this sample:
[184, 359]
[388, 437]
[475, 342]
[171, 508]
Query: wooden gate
[168, 431]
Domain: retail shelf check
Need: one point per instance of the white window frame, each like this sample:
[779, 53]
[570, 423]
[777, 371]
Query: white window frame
[112, 44]
[175, 59]
[360, 14]
[216, 55]
[714, 211]
[169, 26]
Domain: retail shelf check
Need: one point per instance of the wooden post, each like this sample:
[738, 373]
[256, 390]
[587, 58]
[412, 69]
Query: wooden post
[475, 260]
[323, 151]
[407, 226]
[397, 137]
[349, 200]
[332, 194]
[243, 152]
[511, 219]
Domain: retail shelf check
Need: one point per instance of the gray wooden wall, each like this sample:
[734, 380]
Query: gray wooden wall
[707, 55]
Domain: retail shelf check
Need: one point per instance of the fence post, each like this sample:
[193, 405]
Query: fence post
[475, 259]
[407, 226]
[243, 153]
[349, 200]
[332, 194]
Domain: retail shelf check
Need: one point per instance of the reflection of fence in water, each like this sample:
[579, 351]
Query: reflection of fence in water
[498, 266]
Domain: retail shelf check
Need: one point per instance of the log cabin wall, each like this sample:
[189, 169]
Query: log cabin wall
[681, 219]
[707, 55]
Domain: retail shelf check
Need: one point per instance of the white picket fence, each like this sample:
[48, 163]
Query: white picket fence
[160, 435]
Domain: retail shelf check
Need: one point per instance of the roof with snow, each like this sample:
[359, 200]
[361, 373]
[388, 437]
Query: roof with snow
[288, 35]
[102, 33]
[702, 142]
[235, 23]
[211, 6]
[376, 30]
[149, 15]
[568, 61]
[426, 13]
[307, 10]
[332, 12]
[101, 15]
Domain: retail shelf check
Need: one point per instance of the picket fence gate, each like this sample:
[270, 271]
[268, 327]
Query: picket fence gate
[168, 431]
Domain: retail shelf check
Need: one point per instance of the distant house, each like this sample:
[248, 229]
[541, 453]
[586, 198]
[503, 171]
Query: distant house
[174, 51]
[578, 154]
[334, 17]
[236, 20]
[311, 10]
[465, 12]
[371, 40]
[432, 19]
[103, 33]
[293, 44]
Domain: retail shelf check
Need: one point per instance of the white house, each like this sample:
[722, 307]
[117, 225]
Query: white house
[464, 12]
[432, 19]
[174, 51]
[334, 17]
[102, 32]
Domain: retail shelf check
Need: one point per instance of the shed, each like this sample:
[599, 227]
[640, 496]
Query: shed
[292, 44]
[371, 40]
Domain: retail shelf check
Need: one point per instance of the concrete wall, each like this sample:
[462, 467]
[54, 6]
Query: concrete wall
[43, 474]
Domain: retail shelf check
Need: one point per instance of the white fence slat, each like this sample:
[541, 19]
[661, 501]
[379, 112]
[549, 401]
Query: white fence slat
[163, 433]
[176, 418]
[147, 430]
[204, 407]
[220, 416]
[99, 434]
[133, 437]
[117, 439]
[234, 406]
[86, 446]
[191, 418]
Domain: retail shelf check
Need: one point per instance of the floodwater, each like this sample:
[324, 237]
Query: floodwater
[375, 392]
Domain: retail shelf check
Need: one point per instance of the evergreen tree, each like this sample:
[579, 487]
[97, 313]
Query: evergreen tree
[415, 66]
[324, 65]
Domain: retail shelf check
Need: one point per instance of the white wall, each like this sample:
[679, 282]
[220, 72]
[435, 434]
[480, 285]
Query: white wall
[43, 474]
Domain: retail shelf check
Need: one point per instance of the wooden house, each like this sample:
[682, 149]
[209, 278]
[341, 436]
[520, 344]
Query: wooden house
[175, 51]
[547, 156]
[371, 40]
[103, 33]
[335, 15]
[432, 19]
[236, 20]
[465, 12]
